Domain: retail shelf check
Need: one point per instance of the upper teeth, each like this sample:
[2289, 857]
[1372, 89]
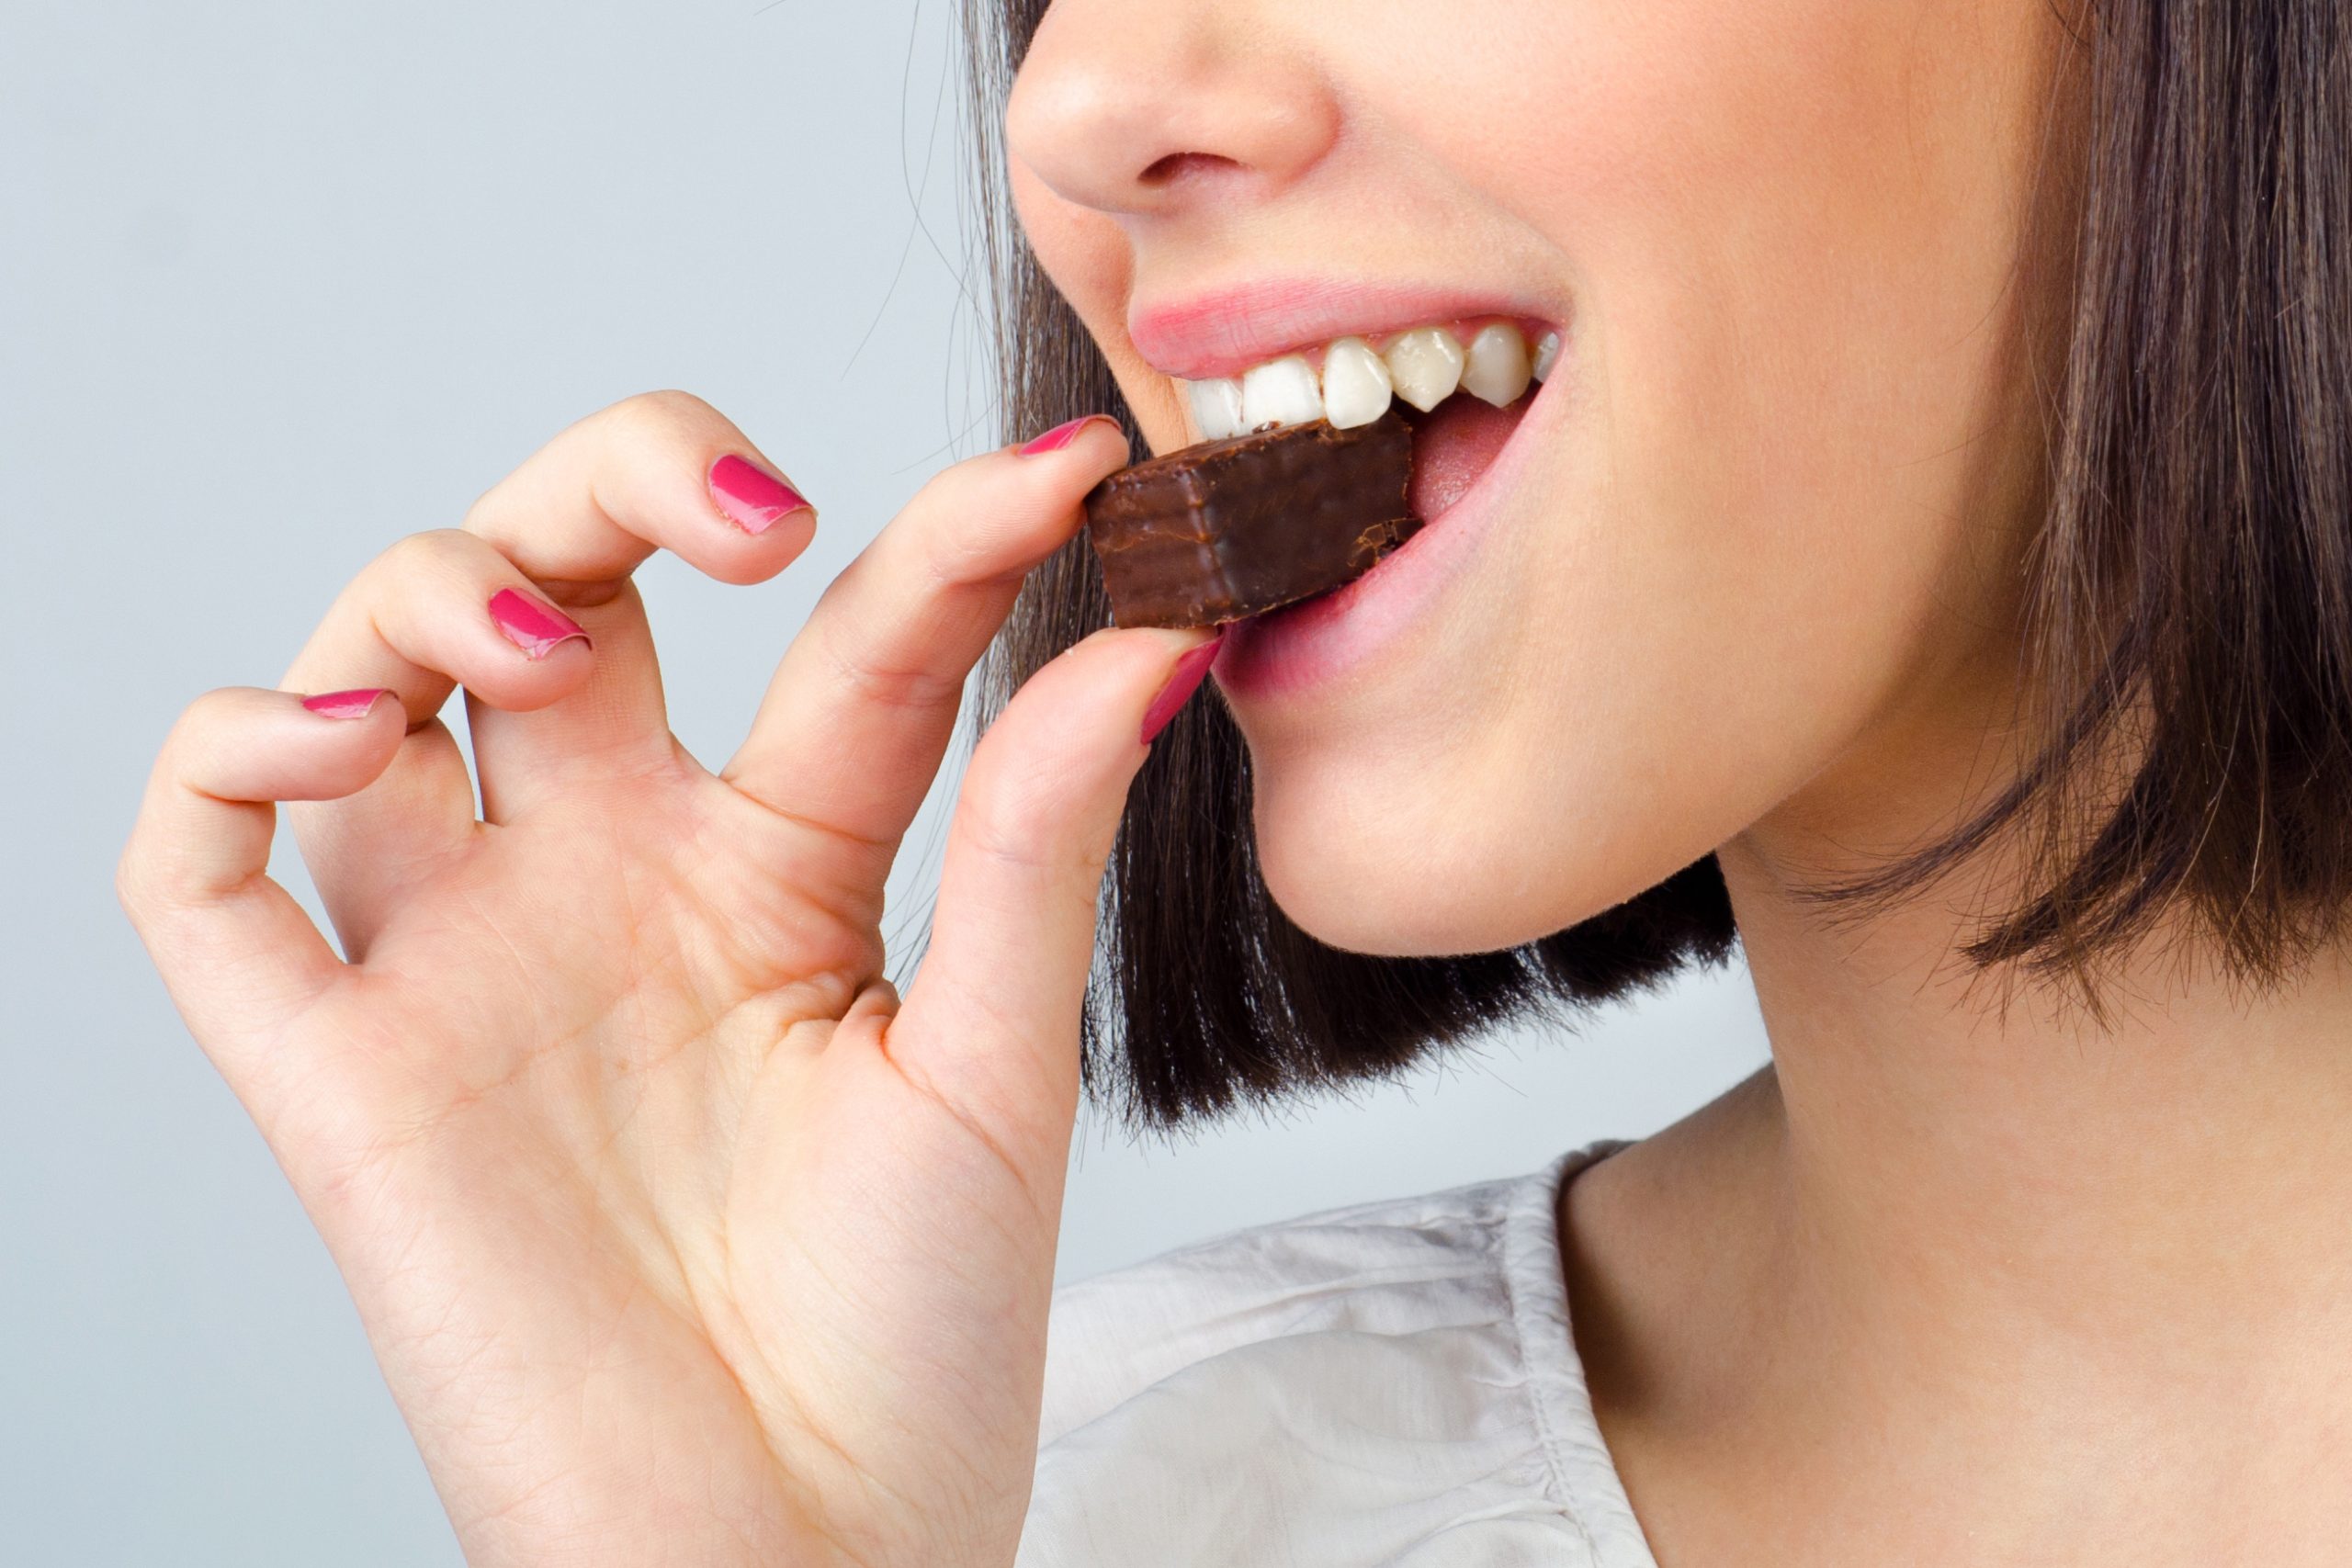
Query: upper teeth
[1427, 365]
[1497, 369]
[1281, 392]
[1356, 383]
[1423, 367]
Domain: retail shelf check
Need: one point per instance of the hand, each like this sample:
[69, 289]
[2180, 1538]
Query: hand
[678, 1236]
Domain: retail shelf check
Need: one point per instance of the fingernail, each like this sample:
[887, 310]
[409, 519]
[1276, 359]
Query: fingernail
[532, 625]
[354, 704]
[1060, 435]
[753, 498]
[1182, 681]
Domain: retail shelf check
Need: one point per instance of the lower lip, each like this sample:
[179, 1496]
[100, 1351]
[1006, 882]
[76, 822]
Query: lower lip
[1302, 646]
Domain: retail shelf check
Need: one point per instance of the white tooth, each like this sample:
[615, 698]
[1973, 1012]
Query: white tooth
[1496, 368]
[1281, 392]
[1217, 408]
[1356, 383]
[1425, 365]
[1548, 354]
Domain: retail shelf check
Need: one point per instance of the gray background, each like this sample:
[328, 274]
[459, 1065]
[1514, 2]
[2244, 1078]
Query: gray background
[280, 281]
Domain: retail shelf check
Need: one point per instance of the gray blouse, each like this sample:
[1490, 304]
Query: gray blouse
[1388, 1385]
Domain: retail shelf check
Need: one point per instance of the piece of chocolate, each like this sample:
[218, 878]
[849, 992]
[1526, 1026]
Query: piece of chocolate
[1229, 528]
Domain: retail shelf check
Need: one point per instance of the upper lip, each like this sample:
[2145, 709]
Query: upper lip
[1222, 332]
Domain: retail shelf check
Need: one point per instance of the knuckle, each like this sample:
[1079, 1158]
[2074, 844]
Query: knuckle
[906, 686]
[434, 552]
[950, 558]
[1013, 823]
[663, 419]
[130, 883]
[203, 730]
[945, 491]
[140, 886]
[921, 552]
[201, 718]
[984, 522]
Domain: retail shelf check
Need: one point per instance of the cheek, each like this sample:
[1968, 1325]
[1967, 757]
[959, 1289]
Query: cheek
[1083, 251]
[1779, 514]
[1799, 244]
[1092, 263]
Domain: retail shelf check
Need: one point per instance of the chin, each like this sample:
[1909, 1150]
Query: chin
[1364, 876]
[1390, 855]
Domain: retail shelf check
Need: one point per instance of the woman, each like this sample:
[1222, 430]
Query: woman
[1925, 556]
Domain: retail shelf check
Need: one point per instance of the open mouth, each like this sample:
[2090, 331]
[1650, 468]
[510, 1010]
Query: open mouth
[1462, 385]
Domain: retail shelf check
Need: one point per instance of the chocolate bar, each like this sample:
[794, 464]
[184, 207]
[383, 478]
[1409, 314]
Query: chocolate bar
[1233, 527]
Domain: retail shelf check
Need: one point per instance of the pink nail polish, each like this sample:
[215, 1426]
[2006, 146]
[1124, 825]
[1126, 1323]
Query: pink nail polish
[1060, 435]
[1182, 681]
[532, 625]
[752, 497]
[354, 704]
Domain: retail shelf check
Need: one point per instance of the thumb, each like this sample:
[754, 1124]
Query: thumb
[991, 1020]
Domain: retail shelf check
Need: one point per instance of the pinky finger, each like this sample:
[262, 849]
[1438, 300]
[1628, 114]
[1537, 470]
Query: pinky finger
[238, 954]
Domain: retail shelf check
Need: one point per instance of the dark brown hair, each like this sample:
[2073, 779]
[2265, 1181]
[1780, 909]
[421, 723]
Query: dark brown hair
[2189, 598]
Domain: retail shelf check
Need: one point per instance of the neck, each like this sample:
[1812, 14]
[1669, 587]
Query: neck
[1968, 1276]
[1958, 1165]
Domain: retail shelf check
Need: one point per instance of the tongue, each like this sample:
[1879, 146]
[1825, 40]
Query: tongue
[1453, 444]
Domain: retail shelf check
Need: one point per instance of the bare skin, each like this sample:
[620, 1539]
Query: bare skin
[680, 1239]
[1944, 1287]
[683, 1240]
[1954, 1281]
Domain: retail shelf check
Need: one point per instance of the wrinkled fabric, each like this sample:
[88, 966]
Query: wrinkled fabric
[1388, 1385]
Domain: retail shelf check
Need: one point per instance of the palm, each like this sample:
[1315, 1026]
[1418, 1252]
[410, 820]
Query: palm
[604, 1033]
[679, 1238]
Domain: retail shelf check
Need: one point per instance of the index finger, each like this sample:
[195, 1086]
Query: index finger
[863, 703]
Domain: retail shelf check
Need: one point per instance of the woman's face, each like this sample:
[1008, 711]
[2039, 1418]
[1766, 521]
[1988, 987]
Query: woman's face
[1742, 564]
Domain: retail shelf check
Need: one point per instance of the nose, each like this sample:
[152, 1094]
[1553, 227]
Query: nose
[1139, 107]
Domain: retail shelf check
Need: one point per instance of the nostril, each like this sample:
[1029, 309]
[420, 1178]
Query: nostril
[1179, 166]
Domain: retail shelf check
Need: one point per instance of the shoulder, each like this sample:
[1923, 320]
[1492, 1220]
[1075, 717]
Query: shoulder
[1334, 1388]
